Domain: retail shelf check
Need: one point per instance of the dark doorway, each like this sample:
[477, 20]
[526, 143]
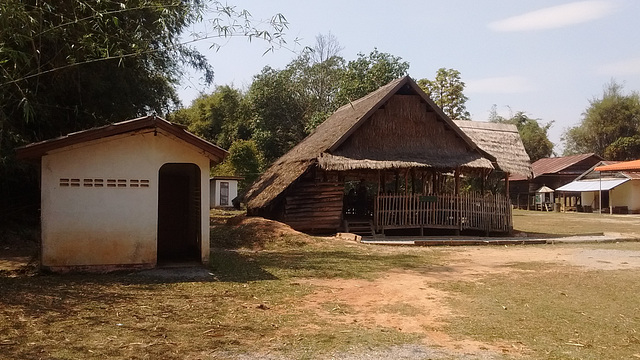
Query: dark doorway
[178, 213]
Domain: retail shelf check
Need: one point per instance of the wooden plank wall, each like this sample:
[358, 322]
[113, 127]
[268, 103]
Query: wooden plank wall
[314, 206]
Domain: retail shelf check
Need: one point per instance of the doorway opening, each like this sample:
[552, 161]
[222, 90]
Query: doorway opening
[179, 235]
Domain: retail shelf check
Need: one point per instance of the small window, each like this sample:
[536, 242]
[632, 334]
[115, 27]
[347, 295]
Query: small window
[122, 182]
[87, 183]
[74, 182]
[111, 182]
[144, 183]
[64, 182]
[98, 182]
[134, 183]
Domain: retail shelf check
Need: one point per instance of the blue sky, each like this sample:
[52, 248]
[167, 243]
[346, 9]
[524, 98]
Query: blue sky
[546, 58]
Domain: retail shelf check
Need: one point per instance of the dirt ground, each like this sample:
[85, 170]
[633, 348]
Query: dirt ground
[410, 302]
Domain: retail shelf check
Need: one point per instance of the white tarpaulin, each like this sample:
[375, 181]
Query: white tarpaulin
[591, 185]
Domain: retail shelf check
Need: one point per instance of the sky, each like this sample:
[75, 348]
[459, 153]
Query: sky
[546, 58]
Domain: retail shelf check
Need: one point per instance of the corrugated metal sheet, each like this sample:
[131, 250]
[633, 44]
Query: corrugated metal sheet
[591, 185]
[556, 164]
[633, 165]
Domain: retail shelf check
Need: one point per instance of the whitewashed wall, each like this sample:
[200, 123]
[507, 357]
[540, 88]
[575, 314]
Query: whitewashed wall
[215, 195]
[102, 225]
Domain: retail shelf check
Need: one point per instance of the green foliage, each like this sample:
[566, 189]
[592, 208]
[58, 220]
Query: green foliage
[69, 65]
[446, 90]
[368, 73]
[243, 160]
[534, 136]
[612, 117]
[279, 112]
[624, 148]
[221, 117]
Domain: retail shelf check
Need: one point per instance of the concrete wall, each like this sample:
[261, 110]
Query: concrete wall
[99, 199]
[627, 194]
[215, 191]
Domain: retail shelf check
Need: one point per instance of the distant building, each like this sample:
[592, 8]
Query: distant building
[130, 194]
[223, 190]
[550, 172]
[612, 186]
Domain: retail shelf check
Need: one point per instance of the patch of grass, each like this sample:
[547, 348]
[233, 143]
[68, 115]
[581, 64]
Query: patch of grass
[337, 308]
[251, 306]
[561, 314]
[401, 309]
[573, 223]
[342, 338]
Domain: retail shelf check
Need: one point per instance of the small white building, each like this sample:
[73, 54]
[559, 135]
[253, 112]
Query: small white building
[223, 189]
[130, 194]
[615, 191]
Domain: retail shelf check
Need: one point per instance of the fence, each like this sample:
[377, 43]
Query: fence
[490, 213]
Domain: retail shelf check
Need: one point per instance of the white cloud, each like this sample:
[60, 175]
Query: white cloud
[499, 85]
[556, 16]
[623, 67]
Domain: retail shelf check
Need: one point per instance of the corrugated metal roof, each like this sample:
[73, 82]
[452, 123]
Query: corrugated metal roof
[633, 165]
[556, 164]
[591, 185]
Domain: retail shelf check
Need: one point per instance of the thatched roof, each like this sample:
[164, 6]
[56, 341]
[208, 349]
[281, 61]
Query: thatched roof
[396, 126]
[502, 141]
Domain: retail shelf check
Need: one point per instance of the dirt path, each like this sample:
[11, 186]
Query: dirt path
[409, 301]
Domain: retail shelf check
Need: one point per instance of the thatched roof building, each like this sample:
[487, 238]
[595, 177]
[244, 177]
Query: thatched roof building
[395, 128]
[502, 141]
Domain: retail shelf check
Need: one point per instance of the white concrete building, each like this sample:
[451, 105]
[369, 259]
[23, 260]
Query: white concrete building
[223, 189]
[130, 194]
[611, 191]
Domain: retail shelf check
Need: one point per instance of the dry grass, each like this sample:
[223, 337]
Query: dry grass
[555, 313]
[254, 303]
[574, 223]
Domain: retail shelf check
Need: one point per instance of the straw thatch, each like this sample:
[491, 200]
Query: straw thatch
[503, 142]
[396, 126]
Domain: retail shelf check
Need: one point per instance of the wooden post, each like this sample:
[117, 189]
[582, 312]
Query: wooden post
[397, 181]
[413, 181]
[456, 177]
[506, 185]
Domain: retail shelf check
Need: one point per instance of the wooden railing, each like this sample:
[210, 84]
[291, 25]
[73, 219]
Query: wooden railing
[490, 213]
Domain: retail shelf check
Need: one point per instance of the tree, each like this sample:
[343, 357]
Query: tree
[624, 149]
[243, 160]
[278, 108]
[69, 65]
[613, 117]
[534, 137]
[368, 73]
[446, 90]
[221, 117]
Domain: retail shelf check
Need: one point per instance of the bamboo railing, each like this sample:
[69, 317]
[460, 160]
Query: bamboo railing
[490, 213]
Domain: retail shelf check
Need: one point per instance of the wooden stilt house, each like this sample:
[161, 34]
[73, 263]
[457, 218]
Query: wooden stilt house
[392, 160]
